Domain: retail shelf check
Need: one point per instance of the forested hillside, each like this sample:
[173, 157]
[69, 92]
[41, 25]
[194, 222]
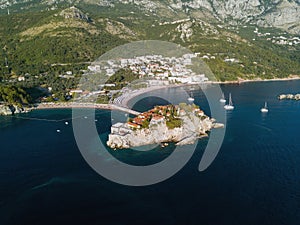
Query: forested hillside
[42, 42]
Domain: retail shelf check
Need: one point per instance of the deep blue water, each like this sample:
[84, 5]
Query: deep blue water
[255, 178]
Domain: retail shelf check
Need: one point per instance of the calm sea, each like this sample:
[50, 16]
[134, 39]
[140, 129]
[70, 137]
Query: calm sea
[255, 178]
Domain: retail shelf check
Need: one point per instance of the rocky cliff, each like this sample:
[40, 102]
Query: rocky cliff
[283, 14]
[74, 13]
[12, 109]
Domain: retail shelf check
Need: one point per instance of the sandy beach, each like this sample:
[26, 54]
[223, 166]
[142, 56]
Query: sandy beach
[124, 99]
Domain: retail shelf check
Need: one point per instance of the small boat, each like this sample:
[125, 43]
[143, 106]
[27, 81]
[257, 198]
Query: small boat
[265, 108]
[58, 131]
[191, 98]
[67, 123]
[229, 106]
[223, 100]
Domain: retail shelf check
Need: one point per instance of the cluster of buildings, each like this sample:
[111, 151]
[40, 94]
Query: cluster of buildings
[285, 41]
[157, 115]
[155, 67]
[153, 70]
[280, 40]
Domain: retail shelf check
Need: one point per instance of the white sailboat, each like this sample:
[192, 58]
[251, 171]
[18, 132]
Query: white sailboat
[229, 106]
[191, 98]
[223, 100]
[265, 108]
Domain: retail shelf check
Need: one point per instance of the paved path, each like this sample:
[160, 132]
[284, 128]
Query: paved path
[87, 105]
[121, 108]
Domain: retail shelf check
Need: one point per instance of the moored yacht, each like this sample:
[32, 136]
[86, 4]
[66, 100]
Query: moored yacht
[265, 108]
[223, 100]
[191, 98]
[229, 106]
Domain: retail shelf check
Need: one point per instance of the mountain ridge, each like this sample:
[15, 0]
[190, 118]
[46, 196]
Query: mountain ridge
[282, 14]
[32, 41]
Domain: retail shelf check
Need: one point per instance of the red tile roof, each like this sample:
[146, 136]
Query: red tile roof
[157, 117]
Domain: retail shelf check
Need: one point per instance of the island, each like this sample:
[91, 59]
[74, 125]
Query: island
[182, 124]
[289, 97]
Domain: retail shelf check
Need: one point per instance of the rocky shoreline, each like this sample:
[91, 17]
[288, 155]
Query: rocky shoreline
[289, 97]
[7, 110]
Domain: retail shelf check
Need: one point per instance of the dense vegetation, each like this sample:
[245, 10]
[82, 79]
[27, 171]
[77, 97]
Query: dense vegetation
[35, 43]
[121, 78]
[173, 123]
[43, 46]
[14, 95]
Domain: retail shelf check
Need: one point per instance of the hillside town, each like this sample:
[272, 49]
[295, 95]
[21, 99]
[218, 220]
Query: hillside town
[150, 71]
[155, 67]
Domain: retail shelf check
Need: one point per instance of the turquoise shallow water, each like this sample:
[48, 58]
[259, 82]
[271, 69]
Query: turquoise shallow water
[255, 178]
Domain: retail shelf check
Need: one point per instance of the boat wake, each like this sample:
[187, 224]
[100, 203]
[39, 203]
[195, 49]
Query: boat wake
[54, 180]
[263, 127]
